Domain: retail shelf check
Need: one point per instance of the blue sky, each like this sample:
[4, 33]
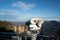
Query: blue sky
[22, 10]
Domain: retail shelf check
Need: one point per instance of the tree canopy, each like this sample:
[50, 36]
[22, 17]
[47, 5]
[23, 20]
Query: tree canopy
[5, 25]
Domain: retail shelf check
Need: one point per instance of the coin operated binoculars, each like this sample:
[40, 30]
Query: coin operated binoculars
[33, 27]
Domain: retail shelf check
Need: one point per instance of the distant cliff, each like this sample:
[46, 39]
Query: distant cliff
[15, 26]
[5, 25]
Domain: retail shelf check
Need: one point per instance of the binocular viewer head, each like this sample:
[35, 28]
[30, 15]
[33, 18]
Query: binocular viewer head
[33, 26]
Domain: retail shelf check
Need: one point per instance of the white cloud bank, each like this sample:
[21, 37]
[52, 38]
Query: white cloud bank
[12, 15]
[8, 12]
[23, 5]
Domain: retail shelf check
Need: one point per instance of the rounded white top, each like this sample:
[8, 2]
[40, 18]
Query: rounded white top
[36, 20]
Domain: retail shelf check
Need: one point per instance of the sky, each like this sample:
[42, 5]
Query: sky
[22, 10]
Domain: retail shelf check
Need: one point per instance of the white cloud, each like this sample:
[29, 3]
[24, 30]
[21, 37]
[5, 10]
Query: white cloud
[23, 5]
[12, 15]
[8, 12]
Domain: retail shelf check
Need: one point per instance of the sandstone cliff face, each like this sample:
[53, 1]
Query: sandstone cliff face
[19, 28]
[15, 28]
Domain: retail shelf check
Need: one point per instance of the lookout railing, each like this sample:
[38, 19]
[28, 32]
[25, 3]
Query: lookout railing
[28, 37]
